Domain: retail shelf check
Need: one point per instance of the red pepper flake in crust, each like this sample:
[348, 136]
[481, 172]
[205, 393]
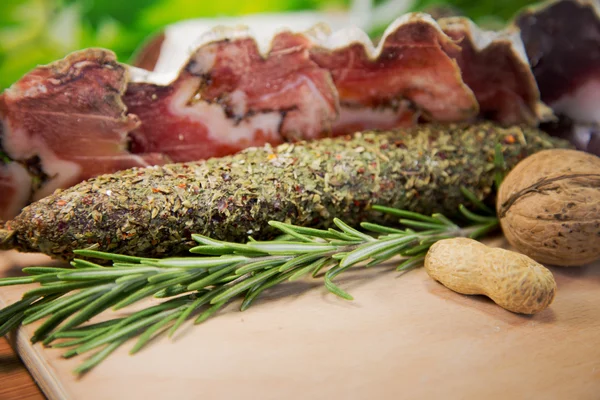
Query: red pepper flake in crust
[233, 203]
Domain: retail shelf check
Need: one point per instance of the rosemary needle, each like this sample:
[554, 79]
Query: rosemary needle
[215, 273]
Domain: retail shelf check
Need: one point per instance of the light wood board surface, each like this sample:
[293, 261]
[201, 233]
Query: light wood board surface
[404, 336]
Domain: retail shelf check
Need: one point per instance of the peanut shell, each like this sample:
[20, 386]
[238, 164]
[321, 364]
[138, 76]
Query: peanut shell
[512, 280]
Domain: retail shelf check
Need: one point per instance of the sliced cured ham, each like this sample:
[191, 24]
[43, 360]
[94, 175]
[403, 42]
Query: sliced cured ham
[87, 114]
[69, 120]
[229, 97]
[494, 65]
[562, 40]
[409, 74]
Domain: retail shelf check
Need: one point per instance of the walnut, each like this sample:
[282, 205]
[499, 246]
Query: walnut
[549, 207]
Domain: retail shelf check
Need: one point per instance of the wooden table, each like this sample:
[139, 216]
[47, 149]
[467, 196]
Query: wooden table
[15, 381]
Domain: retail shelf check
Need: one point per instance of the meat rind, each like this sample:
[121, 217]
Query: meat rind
[168, 50]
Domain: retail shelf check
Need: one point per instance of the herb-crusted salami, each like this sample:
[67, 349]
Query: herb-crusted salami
[152, 211]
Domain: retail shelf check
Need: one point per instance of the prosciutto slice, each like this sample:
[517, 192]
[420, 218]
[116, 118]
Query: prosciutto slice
[409, 74]
[64, 123]
[562, 40]
[494, 65]
[87, 114]
[229, 96]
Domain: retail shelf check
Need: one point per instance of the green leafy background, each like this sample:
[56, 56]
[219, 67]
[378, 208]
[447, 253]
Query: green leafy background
[34, 32]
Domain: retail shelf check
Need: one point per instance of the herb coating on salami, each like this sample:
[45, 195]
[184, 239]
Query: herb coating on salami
[153, 211]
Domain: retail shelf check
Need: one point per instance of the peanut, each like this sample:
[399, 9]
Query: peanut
[512, 280]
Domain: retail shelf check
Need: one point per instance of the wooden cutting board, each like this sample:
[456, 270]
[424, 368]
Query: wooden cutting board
[404, 336]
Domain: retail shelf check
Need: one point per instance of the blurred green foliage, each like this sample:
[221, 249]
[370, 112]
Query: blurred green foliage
[480, 9]
[34, 32]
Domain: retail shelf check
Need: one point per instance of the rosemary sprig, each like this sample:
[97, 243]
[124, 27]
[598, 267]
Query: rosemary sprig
[216, 273]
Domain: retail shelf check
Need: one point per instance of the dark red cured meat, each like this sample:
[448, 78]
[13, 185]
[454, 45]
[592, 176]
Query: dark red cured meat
[69, 119]
[229, 97]
[87, 114]
[562, 40]
[15, 189]
[176, 135]
[411, 74]
[498, 74]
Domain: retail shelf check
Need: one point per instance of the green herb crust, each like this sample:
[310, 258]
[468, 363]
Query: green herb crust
[152, 212]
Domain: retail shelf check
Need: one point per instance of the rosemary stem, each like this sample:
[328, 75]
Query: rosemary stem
[215, 273]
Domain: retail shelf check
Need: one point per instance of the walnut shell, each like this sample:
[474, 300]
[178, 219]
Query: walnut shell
[549, 207]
